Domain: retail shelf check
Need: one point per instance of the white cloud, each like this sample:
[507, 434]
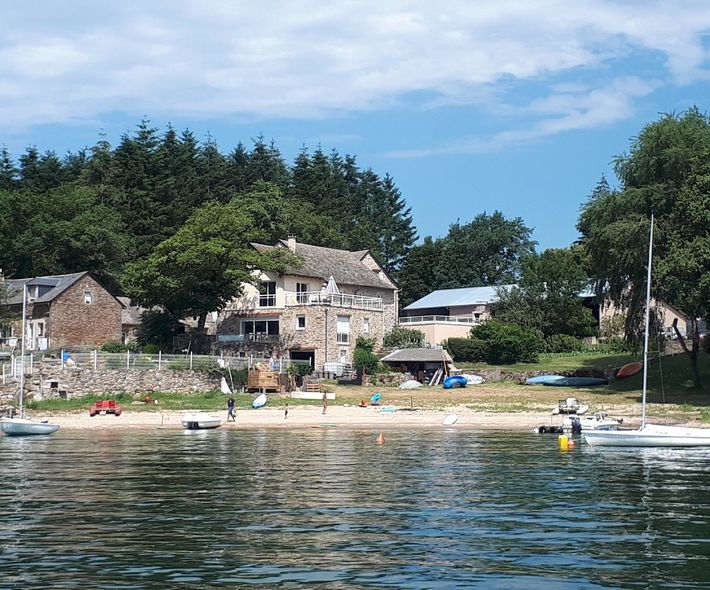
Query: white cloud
[306, 58]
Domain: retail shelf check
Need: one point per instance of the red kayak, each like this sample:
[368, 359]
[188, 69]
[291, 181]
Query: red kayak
[629, 370]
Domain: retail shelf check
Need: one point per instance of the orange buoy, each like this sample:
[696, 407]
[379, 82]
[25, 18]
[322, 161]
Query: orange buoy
[380, 440]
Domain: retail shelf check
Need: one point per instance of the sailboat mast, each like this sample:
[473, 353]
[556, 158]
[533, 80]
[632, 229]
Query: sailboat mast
[22, 349]
[645, 336]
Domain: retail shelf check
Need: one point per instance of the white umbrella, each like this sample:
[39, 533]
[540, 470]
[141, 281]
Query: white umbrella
[331, 288]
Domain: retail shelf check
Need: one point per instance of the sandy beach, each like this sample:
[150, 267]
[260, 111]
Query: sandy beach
[312, 417]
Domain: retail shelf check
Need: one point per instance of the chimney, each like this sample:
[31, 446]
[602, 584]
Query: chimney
[291, 242]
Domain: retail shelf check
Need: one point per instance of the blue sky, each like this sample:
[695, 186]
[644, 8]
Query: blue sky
[471, 105]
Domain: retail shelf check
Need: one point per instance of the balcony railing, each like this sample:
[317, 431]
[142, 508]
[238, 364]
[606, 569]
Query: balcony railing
[241, 338]
[335, 299]
[440, 319]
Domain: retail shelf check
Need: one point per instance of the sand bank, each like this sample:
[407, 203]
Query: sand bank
[309, 416]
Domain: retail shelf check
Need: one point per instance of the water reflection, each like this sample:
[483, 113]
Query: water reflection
[327, 507]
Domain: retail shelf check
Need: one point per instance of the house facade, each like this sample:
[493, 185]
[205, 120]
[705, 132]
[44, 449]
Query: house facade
[315, 310]
[62, 311]
[450, 313]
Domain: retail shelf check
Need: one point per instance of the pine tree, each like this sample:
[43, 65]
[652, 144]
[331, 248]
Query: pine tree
[8, 171]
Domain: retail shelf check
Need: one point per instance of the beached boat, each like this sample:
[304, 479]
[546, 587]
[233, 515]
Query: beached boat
[23, 425]
[596, 421]
[649, 435]
[543, 379]
[200, 421]
[577, 382]
[570, 406]
[455, 381]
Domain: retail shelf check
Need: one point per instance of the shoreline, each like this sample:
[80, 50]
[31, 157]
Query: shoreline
[312, 417]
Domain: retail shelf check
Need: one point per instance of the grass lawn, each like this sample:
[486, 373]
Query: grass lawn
[668, 392]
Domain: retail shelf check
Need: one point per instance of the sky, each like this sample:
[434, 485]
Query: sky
[471, 105]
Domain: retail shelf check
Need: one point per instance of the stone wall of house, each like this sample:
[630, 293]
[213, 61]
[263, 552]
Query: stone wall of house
[50, 381]
[320, 333]
[72, 322]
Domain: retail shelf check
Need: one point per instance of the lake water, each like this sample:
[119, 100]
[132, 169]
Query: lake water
[329, 508]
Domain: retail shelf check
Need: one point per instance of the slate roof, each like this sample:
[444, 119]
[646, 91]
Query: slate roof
[457, 297]
[418, 355]
[130, 314]
[346, 267]
[59, 284]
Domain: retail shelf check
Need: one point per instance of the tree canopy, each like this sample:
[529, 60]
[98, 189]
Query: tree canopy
[667, 173]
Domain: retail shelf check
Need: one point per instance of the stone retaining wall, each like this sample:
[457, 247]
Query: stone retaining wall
[50, 381]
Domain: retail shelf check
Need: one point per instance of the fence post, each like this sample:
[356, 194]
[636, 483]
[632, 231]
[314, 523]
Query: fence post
[191, 360]
[32, 363]
[61, 356]
[160, 359]
[96, 360]
[128, 359]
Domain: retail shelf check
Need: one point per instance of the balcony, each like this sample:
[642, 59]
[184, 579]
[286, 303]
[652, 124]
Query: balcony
[294, 299]
[440, 319]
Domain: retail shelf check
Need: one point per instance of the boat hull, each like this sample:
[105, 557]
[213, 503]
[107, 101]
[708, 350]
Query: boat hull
[200, 421]
[24, 427]
[650, 436]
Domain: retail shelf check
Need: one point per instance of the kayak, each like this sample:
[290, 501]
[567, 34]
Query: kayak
[543, 379]
[578, 382]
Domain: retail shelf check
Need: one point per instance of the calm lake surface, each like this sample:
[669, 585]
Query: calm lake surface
[326, 507]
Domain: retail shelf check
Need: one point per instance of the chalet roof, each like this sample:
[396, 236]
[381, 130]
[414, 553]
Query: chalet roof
[346, 267]
[418, 355]
[59, 284]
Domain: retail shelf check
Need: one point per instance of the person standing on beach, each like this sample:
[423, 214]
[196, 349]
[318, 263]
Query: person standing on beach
[286, 412]
[230, 409]
[325, 402]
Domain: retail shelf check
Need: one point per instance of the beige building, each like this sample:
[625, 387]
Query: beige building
[450, 313]
[314, 311]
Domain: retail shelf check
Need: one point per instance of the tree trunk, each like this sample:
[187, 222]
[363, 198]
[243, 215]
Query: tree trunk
[692, 352]
[201, 321]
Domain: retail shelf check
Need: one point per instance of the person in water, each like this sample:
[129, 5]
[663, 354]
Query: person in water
[230, 409]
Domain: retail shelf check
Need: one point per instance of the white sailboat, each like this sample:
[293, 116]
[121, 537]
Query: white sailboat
[649, 435]
[22, 426]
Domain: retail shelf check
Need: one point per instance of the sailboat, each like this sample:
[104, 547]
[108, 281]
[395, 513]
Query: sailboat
[649, 435]
[25, 426]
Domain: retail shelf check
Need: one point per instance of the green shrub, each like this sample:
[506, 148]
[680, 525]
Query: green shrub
[299, 369]
[613, 345]
[705, 343]
[563, 343]
[404, 338]
[363, 343]
[151, 349]
[467, 350]
[366, 360]
[508, 343]
[113, 346]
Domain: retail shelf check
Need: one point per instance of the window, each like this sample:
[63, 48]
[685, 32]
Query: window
[260, 330]
[343, 354]
[343, 329]
[300, 322]
[366, 326]
[301, 290]
[267, 294]
[477, 316]
[88, 297]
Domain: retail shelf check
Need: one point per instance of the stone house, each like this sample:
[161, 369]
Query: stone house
[62, 311]
[314, 311]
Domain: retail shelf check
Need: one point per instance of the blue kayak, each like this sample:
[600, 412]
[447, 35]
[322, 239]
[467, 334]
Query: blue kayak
[544, 379]
[455, 381]
[578, 382]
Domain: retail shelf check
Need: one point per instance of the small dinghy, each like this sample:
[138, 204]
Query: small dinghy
[455, 381]
[259, 401]
[450, 420]
[411, 384]
[629, 370]
[570, 406]
[200, 421]
[474, 379]
[597, 421]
